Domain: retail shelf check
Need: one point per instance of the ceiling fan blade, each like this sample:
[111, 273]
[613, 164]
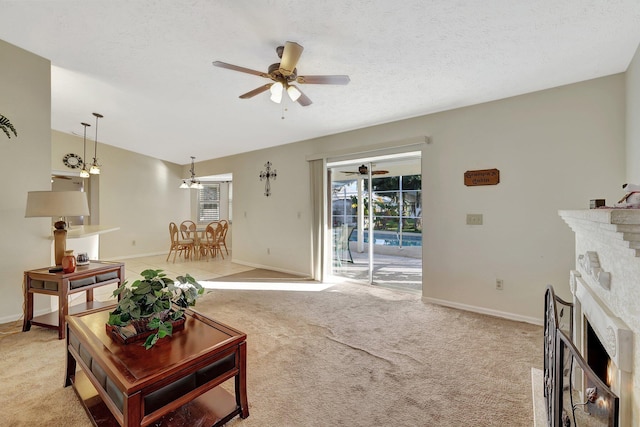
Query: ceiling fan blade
[379, 172]
[304, 99]
[241, 69]
[290, 56]
[324, 80]
[256, 91]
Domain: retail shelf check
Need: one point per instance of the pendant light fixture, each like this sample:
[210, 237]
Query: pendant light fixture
[95, 167]
[192, 182]
[84, 173]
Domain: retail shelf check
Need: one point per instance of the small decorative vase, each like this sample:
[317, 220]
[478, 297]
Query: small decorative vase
[68, 262]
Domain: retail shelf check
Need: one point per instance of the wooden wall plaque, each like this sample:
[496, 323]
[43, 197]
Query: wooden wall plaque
[482, 177]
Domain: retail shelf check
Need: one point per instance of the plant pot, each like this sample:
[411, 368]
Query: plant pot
[142, 325]
[130, 334]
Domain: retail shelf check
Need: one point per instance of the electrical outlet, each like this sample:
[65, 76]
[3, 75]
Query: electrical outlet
[268, 251]
[133, 243]
[474, 219]
[499, 284]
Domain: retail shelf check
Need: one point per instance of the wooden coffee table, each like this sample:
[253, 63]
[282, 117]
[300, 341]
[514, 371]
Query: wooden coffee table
[178, 382]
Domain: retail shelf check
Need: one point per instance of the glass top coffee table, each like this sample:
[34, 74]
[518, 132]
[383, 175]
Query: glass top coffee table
[178, 382]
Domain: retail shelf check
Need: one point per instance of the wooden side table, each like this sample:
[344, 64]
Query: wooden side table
[85, 279]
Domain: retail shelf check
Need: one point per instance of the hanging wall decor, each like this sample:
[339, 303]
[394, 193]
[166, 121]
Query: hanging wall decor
[482, 177]
[268, 175]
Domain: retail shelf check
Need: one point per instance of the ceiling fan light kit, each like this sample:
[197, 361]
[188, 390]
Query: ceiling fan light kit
[283, 74]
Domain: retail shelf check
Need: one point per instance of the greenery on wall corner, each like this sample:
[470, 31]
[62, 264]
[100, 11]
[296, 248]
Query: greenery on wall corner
[6, 126]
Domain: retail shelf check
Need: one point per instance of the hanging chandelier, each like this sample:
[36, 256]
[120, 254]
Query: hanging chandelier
[95, 167]
[192, 182]
[84, 173]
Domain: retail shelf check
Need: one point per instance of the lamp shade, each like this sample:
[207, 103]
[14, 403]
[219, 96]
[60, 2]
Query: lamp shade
[294, 92]
[276, 92]
[56, 203]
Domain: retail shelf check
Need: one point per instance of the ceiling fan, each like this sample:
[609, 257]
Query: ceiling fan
[284, 74]
[363, 170]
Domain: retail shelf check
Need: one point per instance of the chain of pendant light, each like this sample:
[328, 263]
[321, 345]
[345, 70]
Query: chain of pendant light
[94, 168]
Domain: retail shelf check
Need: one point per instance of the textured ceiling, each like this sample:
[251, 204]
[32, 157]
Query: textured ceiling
[146, 64]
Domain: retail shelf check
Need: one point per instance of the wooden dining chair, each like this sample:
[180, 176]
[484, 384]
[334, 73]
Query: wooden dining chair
[179, 245]
[188, 229]
[213, 224]
[225, 228]
[188, 232]
[210, 243]
[219, 232]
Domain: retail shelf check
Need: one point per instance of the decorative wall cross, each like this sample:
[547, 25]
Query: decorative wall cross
[268, 174]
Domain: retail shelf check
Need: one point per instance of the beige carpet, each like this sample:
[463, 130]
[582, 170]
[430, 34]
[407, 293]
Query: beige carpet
[351, 355]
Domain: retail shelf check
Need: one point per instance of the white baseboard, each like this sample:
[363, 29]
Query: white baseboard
[487, 311]
[73, 298]
[14, 317]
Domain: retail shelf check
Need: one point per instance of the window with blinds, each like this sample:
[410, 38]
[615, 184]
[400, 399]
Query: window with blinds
[209, 203]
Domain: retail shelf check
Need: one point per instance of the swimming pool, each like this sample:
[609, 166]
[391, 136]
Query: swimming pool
[390, 238]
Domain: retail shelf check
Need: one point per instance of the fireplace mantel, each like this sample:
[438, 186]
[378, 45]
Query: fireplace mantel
[606, 289]
[605, 216]
[620, 227]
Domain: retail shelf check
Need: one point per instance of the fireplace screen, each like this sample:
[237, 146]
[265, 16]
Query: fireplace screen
[574, 395]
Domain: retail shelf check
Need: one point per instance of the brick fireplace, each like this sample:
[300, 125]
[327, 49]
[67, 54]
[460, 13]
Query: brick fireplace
[605, 285]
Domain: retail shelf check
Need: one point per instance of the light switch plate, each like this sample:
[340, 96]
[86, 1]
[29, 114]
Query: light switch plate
[474, 219]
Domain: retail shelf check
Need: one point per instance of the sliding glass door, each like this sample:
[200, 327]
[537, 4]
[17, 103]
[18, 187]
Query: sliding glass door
[376, 221]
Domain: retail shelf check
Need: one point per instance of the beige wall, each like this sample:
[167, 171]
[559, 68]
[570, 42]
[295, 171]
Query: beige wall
[555, 149]
[633, 120]
[137, 193]
[272, 232]
[25, 98]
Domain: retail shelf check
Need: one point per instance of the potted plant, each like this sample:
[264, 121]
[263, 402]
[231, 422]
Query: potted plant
[153, 304]
[6, 126]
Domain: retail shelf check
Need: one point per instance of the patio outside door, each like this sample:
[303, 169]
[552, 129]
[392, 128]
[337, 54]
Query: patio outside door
[377, 239]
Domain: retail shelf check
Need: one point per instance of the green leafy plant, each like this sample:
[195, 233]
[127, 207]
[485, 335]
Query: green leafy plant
[6, 126]
[153, 302]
